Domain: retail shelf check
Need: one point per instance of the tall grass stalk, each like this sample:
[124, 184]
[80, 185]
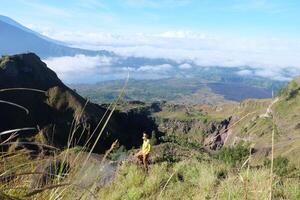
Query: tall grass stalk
[11, 137]
[272, 151]
[16, 130]
[166, 184]
[272, 162]
[122, 93]
[74, 128]
[28, 89]
[16, 105]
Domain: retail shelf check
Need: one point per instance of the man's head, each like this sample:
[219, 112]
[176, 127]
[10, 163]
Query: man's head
[145, 136]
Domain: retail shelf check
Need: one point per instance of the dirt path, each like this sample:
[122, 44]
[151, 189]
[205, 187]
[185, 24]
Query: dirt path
[269, 109]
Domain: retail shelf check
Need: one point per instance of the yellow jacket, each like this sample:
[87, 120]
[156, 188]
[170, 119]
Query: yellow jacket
[146, 147]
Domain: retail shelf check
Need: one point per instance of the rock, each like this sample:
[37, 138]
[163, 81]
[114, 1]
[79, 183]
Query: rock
[26, 70]
[217, 134]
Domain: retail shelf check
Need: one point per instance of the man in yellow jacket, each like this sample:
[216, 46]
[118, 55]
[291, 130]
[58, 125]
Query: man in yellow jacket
[143, 154]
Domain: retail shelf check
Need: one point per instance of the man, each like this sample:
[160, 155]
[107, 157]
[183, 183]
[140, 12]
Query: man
[143, 154]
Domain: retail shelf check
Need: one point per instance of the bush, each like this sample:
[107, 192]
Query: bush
[233, 155]
[183, 140]
[280, 165]
[118, 153]
[153, 140]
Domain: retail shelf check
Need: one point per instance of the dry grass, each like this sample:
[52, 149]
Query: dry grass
[20, 173]
[86, 177]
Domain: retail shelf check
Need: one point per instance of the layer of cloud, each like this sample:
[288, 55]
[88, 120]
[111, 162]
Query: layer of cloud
[181, 45]
[80, 68]
[155, 68]
[185, 66]
[77, 63]
[277, 74]
[92, 69]
[267, 57]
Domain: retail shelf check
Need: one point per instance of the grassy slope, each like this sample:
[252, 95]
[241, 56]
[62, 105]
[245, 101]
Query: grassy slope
[252, 125]
[191, 177]
[287, 119]
[256, 127]
[184, 172]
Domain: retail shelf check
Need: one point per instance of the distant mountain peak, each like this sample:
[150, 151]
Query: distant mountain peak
[12, 22]
[16, 38]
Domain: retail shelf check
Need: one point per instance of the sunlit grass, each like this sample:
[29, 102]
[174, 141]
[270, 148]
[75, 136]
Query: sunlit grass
[91, 176]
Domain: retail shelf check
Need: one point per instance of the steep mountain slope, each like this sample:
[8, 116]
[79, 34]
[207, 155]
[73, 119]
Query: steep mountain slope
[254, 121]
[56, 111]
[287, 108]
[15, 39]
[249, 122]
[20, 26]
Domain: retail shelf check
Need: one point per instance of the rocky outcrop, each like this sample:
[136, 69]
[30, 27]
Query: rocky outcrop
[217, 134]
[26, 70]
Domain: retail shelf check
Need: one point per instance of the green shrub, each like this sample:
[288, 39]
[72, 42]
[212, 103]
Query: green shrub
[183, 140]
[153, 140]
[233, 155]
[280, 165]
[168, 157]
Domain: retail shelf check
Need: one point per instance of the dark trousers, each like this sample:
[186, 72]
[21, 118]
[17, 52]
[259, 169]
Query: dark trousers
[143, 159]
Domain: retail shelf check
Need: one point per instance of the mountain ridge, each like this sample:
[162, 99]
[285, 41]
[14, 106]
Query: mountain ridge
[12, 22]
[16, 39]
[53, 108]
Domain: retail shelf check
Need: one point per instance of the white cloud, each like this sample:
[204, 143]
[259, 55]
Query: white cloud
[182, 34]
[155, 68]
[245, 72]
[273, 74]
[91, 69]
[185, 66]
[77, 63]
[80, 68]
[261, 54]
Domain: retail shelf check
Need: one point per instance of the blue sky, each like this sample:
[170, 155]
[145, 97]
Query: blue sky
[275, 18]
[262, 34]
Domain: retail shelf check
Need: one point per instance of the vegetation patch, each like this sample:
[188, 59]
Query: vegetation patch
[233, 155]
